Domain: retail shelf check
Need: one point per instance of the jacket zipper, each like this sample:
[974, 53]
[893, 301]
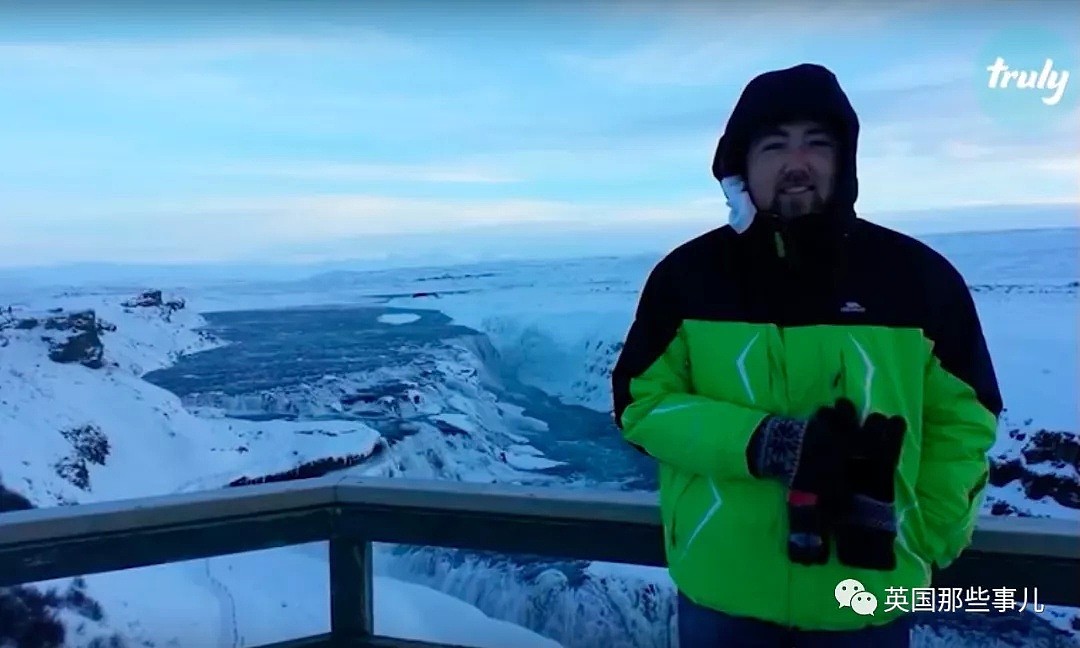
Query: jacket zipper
[781, 253]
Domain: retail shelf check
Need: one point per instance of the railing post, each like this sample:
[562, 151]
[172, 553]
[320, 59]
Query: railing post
[352, 615]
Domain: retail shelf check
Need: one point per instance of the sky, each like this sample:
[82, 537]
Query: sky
[312, 131]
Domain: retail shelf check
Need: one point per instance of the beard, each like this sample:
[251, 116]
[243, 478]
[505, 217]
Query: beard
[789, 206]
[793, 205]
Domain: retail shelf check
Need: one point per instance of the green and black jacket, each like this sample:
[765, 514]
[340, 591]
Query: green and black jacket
[731, 328]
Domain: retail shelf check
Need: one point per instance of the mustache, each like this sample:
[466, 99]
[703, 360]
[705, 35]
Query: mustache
[795, 178]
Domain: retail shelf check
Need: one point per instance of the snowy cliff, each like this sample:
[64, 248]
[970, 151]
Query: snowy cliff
[79, 424]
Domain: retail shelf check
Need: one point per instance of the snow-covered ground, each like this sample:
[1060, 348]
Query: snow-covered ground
[90, 428]
[237, 601]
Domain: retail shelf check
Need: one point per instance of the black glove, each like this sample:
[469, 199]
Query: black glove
[807, 457]
[866, 527]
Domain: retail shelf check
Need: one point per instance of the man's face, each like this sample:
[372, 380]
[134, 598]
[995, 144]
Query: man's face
[791, 169]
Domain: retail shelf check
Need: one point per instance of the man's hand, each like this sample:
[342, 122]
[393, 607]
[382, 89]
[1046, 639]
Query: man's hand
[866, 527]
[808, 458]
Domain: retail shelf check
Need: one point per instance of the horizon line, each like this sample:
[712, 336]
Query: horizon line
[406, 262]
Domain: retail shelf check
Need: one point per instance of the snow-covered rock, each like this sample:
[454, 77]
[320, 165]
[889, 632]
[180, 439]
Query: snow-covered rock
[1044, 464]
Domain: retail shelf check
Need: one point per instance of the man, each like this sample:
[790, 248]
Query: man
[816, 389]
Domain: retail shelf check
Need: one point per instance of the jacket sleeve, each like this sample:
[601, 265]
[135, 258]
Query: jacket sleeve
[655, 406]
[961, 406]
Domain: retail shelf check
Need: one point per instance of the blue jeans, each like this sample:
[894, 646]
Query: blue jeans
[701, 627]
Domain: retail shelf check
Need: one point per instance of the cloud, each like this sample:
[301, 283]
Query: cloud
[46, 229]
[965, 132]
[1062, 165]
[701, 44]
[93, 162]
[702, 19]
[218, 229]
[641, 155]
[1059, 158]
[928, 72]
[892, 183]
[97, 53]
[212, 67]
[664, 62]
[213, 147]
[367, 172]
[961, 150]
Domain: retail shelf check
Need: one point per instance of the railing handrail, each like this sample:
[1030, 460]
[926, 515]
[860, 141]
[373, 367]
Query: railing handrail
[1043, 537]
[59, 523]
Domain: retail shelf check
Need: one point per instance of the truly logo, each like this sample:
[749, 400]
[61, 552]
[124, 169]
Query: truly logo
[1021, 78]
[1046, 79]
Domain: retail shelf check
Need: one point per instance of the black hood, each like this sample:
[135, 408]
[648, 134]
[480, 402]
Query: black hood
[802, 92]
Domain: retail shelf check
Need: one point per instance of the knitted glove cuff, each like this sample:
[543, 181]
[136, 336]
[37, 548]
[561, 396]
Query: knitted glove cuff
[778, 449]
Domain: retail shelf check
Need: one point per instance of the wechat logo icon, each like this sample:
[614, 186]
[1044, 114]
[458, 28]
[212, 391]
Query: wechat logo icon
[851, 593]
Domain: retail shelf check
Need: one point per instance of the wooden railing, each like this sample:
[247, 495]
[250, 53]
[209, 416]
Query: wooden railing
[352, 513]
